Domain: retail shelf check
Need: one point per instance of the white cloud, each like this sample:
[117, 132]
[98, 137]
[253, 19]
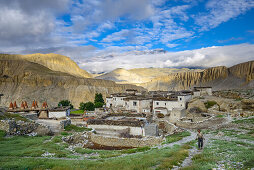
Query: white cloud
[220, 11]
[204, 57]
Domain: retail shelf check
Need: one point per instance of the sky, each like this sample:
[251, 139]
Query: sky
[102, 35]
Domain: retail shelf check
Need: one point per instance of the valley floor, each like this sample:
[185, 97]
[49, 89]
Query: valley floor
[231, 147]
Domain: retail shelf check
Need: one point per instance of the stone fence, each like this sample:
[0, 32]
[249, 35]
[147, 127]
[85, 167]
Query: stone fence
[125, 142]
[134, 123]
[13, 127]
[207, 123]
[126, 115]
[65, 123]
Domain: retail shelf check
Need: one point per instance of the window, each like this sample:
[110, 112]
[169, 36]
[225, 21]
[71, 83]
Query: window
[134, 103]
[180, 98]
[165, 104]
[157, 103]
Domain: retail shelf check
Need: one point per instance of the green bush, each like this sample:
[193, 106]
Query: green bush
[65, 103]
[89, 106]
[210, 104]
[98, 104]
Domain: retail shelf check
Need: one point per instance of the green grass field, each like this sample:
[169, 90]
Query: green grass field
[23, 152]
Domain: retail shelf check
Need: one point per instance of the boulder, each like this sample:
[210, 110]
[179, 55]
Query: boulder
[247, 104]
[42, 130]
[196, 106]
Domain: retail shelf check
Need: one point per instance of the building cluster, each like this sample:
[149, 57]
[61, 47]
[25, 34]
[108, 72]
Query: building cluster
[156, 103]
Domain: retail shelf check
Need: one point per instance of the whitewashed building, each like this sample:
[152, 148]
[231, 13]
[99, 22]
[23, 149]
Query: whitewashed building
[171, 103]
[138, 104]
[59, 112]
[201, 91]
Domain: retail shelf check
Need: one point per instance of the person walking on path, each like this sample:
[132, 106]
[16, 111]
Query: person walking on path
[200, 138]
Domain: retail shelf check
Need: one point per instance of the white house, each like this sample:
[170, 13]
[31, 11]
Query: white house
[200, 91]
[59, 112]
[139, 104]
[171, 103]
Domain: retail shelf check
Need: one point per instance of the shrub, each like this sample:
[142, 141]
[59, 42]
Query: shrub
[160, 115]
[98, 104]
[210, 104]
[65, 103]
[89, 106]
[82, 106]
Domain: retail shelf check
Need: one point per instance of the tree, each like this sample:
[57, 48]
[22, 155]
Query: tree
[98, 104]
[65, 103]
[98, 98]
[82, 106]
[89, 106]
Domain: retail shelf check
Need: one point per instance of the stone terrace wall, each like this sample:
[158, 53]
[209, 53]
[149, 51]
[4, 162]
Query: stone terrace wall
[4, 125]
[126, 115]
[116, 123]
[125, 142]
[208, 123]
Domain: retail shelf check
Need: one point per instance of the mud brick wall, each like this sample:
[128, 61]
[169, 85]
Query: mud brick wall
[115, 122]
[125, 142]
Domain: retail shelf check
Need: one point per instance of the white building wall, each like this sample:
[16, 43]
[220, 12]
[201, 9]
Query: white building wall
[109, 102]
[118, 102]
[133, 130]
[57, 114]
[163, 111]
[140, 106]
[168, 104]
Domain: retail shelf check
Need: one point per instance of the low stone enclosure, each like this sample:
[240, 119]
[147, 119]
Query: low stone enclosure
[13, 127]
[125, 142]
[205, 124]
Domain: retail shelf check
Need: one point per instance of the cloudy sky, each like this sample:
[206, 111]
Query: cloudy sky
[101, 35]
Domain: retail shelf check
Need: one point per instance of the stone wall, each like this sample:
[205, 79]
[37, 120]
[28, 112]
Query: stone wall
[151, 130]
[65, 123]
[22, 128]
[125, 142]
[207, 123]
[134, 123]
[4, 125]
[137, 131]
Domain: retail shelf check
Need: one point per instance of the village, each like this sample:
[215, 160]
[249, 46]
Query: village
[144, 117]
[134, 123]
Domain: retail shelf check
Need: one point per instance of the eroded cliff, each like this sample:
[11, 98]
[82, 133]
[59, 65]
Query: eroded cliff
[52, 61]
[23, 80]
[238, 76]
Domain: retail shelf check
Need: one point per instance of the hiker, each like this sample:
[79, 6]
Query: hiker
[200, 138]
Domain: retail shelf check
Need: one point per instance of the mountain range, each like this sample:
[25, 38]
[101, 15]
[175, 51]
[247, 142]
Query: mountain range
[53, 77]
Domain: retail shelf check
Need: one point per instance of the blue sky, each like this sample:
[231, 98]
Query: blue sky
[89, 31]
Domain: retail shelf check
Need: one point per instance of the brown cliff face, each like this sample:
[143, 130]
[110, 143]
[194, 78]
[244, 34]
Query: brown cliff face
[21, 80]
[52, 61]
[238, 76]
[243, 70]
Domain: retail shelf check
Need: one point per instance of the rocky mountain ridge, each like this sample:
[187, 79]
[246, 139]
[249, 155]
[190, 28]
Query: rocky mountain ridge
[220, 78]
[23, 80]
[55, 62]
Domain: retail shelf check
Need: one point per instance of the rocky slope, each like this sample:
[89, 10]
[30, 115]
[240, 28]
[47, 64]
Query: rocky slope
[52, 61]
[238, 76]
[140, 75]
[24, 80]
